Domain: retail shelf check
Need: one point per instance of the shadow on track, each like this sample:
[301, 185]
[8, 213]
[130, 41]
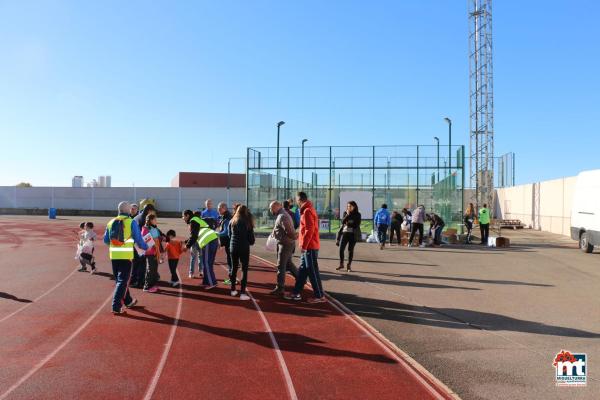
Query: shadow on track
[291, 342]
[13, 297]
[454, 318]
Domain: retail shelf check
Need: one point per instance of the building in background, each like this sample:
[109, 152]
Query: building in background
[209, 180]
[77, 181]
[104, 181]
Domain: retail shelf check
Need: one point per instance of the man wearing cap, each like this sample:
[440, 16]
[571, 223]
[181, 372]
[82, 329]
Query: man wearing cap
[121, 234]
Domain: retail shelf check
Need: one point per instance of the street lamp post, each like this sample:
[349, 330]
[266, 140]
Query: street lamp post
[277, 160]
[449, 121]
[437, 139]
[228, 181]
[302, 179]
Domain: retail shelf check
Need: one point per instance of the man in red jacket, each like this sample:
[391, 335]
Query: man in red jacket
[308, 239]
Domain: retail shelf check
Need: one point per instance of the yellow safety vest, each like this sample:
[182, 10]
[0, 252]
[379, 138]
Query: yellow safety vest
[124, 252]
[205, 235]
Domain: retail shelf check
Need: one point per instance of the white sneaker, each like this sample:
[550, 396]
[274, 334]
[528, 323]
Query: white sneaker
[175, 284]
[244, 296]
[234, 293]
[190, 276]
[410, 245]
[132, 304]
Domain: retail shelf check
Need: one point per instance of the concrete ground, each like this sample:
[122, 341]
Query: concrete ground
[486, 322]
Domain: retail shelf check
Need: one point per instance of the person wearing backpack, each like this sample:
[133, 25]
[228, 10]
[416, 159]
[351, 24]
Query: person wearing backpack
[120, 235]
[241, 233]
[207, 241]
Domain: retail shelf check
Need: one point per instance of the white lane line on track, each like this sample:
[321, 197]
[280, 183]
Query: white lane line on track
[53, 288]
[400, 356]
[282, 365]
[167, 350]
[53, 353]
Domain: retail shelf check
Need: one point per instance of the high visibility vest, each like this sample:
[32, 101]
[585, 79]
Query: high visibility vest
[205, 235]
[484, 216]
[124, 252]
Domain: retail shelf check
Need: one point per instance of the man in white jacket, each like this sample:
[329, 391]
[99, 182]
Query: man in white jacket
[418, 218]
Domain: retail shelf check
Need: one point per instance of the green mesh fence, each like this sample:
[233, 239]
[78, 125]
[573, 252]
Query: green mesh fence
[400, 176]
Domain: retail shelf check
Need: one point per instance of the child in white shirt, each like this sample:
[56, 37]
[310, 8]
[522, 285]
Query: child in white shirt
[86, 257]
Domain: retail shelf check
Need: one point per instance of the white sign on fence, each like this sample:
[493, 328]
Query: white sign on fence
[324, 224]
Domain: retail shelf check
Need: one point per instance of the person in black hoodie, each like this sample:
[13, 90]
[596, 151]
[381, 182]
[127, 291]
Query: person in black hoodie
[395, 227]
[347, 235]
[437, 225]
[241, 234]
[138, 273]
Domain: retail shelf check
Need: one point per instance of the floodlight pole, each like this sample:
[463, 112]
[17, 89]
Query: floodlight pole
[302, 179]
[449, 121]
[277, 160]
[437, 139]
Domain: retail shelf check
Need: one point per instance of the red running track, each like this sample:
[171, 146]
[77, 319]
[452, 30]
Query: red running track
[183, 343]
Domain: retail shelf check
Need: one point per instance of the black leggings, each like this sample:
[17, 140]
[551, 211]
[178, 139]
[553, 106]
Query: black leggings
[349, 239]
[395, 229]
[416, 227]
[238, 256]
[469, 226]
[173, 269]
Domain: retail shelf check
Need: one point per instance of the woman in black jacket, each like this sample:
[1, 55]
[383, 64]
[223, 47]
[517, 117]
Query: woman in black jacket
[347, 234]
[241, 233]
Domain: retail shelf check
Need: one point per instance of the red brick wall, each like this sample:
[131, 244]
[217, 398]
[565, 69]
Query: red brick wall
[208, 179]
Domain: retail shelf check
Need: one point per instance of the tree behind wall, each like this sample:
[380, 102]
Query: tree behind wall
[24, 184]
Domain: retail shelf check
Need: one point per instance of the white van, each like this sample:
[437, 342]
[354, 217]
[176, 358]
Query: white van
[585, 214]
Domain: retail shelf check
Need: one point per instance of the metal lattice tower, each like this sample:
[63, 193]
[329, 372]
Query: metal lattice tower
[481, 101]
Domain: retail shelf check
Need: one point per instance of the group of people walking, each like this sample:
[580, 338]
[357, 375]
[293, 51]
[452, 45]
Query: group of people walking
[137, 246]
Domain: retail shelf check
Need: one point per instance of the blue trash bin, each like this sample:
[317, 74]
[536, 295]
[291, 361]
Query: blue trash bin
[52, 213]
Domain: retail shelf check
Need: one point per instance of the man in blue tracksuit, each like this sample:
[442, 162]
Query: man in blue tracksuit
[382, 222]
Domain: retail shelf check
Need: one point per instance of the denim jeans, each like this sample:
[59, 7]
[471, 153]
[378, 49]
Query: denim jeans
[437, 235]
[382, 233]
[309, 268]
[195, 258]
[121, 271]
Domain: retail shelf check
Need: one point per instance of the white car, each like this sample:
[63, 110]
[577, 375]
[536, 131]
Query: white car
[585, 214]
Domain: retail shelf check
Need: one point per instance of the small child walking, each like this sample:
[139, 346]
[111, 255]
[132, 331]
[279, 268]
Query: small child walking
[86, 255]
[174, 248]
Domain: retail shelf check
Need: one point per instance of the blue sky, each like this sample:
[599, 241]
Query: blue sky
[141, 90]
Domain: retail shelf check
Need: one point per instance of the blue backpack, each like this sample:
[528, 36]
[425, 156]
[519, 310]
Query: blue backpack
[117, 233]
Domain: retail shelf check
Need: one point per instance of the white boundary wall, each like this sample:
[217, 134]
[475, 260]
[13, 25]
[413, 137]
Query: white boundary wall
[97, 199]
[544, 205]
